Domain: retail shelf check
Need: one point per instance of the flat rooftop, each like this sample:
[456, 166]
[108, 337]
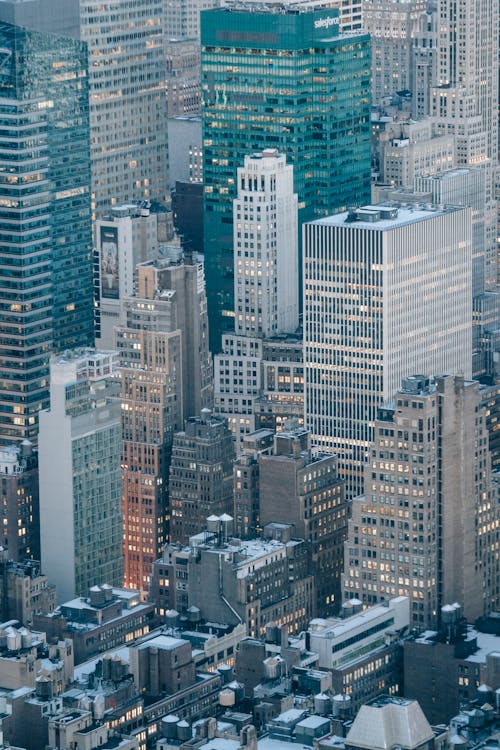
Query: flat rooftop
[400, 216]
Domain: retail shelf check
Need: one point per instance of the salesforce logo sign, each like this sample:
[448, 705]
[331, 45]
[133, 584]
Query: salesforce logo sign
[325, 23]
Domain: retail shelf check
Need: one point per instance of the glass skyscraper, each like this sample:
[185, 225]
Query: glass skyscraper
[45, 226]
[279, 77]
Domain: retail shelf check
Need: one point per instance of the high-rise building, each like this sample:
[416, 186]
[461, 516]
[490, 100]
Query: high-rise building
[128, 109]
[266, 280]
[464, 97]
[201, 475]
[392, 25]
[20, 504]
[127, 236]
[182, 19]
[166, 376]
[300, 486]
[426, 525]
[375, 280]
[290, 81]
[246, 482]
[80, 474]
[45, 227]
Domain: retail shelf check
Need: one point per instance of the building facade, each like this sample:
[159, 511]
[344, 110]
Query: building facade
[201, 475]
[426, 525]
[47, 288]
[282, 68]
[80, 476]
[164, 337]
[375, 280]
[20, 502]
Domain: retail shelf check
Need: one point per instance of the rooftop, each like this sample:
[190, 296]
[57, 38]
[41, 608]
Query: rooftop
[164, 642]
[336, 628]
[385, 217]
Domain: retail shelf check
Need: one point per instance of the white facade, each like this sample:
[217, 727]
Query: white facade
[392, 25]
[266, 266]
[266, 279]
[127, 103]
[337, 640]
[350, 11]
[80, 476]
[182, 17]
[387, 292]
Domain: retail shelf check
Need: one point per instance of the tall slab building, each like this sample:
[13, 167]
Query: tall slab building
[45, 231]
[387, 291]
[283, 77]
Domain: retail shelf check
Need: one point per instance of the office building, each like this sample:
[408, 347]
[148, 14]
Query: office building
[266, 280]
[275, 91]
[362, 648]
[300, 486]
[282, 392]
[426, 526]
[20, 503]
[464, 98]
[128, 109]
[183, 85]
[392, 27]
[47, 289]
[201, 475]
[182, 20]
[375, 280]
[128, 235]
[80, 476]
[164, 338]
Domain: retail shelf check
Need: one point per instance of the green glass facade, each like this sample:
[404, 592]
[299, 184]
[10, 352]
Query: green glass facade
[45, 222]
[282, 80]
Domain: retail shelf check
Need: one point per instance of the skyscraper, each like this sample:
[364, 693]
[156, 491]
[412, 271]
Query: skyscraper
[375, 281]
[128, 110]
[45, 229]
[282, 77]
[80, 474]
[166, 376]
[426, 525]
[266, 280]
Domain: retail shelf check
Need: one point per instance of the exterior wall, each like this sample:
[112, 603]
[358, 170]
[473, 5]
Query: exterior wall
[20, 508]
[350, 370]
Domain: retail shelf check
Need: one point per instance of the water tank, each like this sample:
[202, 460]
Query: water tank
[341, 706]
[213, 524]
[346, 610]
[26, 448]
[96, 596]
[183, 731]
[43, 688]
[169, 726]
[106, 667]
[194, 614]
[172, 618]
[108, 592]
[26, 637]
[484, 694]
[226, 522]
[227, 697]
[14, 640]
[273, 634]
[322, 704]
[226, 672]
[273, 667]
[238, 689]
[356, 605]
[451, 614]
[205, 413]
[98, 706]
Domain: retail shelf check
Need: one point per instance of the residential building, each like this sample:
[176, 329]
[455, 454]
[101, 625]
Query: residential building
[375, 280]
[392, 27]
[25, 590]
[79, 728]
[162, 664]
[246, 490]
[108, 617]
[80, 475]
[426, 525]
[279, 60]
[128, 235]
[25, 656]
[300, 486]
[164, 335]
[20, 502]
[128, 109]
[201, 475]
[44, 108]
